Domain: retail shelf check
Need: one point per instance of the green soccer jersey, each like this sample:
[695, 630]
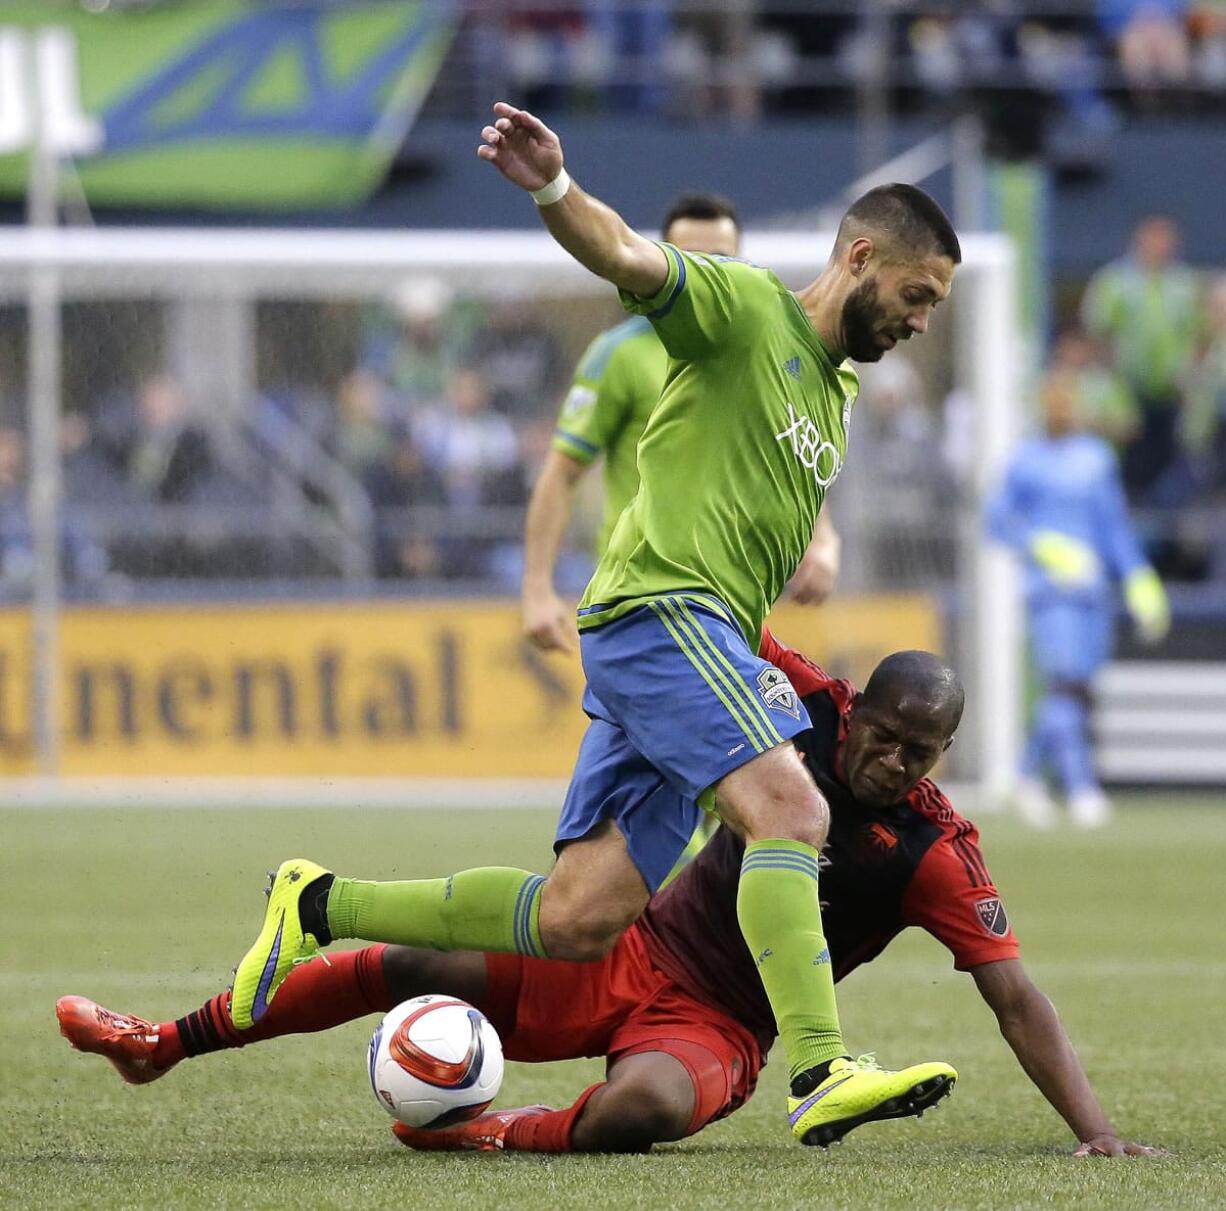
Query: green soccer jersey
[749, 432]
[616, 387]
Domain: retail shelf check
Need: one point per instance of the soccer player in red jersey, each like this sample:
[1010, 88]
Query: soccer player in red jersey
[678, 1006]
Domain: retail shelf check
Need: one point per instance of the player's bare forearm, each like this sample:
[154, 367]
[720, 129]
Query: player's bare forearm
[1033, 1029]
[549, 509]
[547, 620]
[529, 155]
[601, 240]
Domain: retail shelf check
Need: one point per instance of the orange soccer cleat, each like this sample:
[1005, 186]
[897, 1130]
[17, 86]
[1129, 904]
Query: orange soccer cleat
[129, 1043]
[485, 1133]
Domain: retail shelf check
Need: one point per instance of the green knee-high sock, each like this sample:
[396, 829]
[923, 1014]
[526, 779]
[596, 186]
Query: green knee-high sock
[777, 907]
[493, 908]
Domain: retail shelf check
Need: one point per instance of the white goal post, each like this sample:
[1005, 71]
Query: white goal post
[41, 267]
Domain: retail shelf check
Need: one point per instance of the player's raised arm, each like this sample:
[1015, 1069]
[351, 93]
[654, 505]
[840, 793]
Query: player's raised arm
[529, 155]
[1031, 1026]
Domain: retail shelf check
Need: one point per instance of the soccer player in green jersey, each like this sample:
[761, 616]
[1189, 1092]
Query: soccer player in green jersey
[749, 432]
[616, 386]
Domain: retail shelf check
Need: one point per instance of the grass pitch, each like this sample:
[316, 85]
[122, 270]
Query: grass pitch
[146, 911]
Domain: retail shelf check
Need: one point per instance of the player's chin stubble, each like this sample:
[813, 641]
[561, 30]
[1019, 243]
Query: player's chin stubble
[860, 315]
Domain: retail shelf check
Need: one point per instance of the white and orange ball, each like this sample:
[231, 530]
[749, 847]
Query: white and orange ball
[434, 1061]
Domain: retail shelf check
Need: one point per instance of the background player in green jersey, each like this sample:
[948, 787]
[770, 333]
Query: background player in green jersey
[750, 431]
[616, 385]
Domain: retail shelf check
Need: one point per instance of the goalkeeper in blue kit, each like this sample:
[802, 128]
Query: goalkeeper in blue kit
[1061, 507]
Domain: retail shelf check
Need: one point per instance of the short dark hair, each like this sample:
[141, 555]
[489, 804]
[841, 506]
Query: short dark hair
[922, 675]
[704, 206]
[907, 215]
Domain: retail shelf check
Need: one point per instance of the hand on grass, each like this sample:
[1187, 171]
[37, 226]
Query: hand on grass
[1111, 1145]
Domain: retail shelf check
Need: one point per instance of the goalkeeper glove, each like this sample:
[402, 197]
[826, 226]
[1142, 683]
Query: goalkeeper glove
[1147, 603]
[1068, 562]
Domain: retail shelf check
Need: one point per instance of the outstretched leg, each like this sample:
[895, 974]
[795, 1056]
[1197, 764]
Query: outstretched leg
[318, 995]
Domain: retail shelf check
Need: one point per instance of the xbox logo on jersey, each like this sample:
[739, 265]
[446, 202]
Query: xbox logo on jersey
[815, 453]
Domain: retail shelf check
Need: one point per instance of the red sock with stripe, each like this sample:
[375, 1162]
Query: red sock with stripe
[327, 992]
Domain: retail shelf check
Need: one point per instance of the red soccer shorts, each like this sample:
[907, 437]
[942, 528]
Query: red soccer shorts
[620, 1006]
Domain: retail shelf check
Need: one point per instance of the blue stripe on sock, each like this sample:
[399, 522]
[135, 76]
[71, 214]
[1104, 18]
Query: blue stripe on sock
[780, 855]
[517, 916]
[767, 864]
[524, 902]
[533, 899]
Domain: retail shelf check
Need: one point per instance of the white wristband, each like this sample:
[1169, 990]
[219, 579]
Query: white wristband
[555, 191]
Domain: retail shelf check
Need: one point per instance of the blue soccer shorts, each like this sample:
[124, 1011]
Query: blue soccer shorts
[677, 700]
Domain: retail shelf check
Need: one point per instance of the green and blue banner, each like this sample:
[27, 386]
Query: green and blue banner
[217, 103]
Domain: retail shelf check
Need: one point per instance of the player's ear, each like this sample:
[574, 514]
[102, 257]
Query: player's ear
[859, 254]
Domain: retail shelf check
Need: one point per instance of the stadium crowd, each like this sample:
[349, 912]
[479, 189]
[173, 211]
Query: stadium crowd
[753, 57]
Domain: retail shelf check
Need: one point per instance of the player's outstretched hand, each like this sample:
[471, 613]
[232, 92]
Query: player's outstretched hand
[1110, 1145]
[521, 147]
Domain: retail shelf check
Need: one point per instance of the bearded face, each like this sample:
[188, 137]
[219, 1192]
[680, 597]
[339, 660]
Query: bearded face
[866, 334]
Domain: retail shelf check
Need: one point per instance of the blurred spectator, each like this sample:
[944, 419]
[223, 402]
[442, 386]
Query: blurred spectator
[153, 444]
[83, 563]
[397, 485]
[955, 43]
[420, 339]
[1151, 38]
[520, 359]
[1204, 420]
[1148, 309]
[1207, 24]
[634, 38]
[471, 448]
[1062, 510]
[895, 434]
[362, 439]
[714, 57]
[554, 56]
[1104, 402]
[474, 453]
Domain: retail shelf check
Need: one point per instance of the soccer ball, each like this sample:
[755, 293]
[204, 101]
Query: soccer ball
[434, 1061]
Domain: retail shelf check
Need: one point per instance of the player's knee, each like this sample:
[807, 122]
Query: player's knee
[581, 927]
[632, 1117]
[658, 1115]
[581, 939]
[806, 820]
[802, 815]
[775, 797]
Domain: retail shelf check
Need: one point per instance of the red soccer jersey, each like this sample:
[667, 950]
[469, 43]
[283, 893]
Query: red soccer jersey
[916, 863]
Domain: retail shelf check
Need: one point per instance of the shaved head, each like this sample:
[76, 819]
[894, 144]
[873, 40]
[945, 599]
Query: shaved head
[919, 677]
[903, 222]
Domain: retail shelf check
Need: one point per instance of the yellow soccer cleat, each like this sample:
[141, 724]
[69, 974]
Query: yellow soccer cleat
[281, 944]
[859, 1091]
